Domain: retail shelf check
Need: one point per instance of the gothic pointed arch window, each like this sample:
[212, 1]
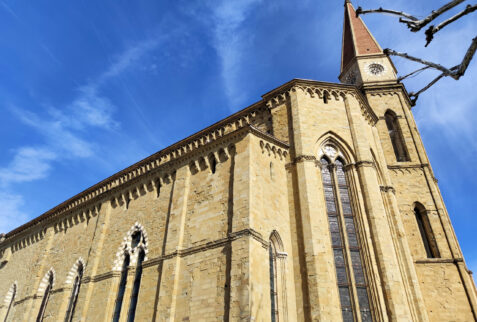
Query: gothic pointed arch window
[350, 274]
[74, 292]
[134, 252]
[10, 300]
[46, 295]
[425, 231]
[276, 257]
[395, 134]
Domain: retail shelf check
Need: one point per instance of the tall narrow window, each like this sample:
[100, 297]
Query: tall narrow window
[46, 297]
[122, 288]
[396, 136]
[272, 255]
[352, 286]
[13, 292]
[425, 230]
[74, 293]
[137, 284]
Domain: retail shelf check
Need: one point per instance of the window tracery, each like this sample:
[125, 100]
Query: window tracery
[132, 253]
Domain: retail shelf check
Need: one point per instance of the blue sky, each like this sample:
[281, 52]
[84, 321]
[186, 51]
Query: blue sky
[89, 87]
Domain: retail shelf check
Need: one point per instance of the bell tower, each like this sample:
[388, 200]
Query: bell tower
[363, 62]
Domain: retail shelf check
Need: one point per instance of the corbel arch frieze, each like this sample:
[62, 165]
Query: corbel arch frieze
[273, 150]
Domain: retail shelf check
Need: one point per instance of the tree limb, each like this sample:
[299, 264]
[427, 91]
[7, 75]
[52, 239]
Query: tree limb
[412, 22]
[360, 11]
[414, 96]
[433, 29]
[414, 72]
[444, 70]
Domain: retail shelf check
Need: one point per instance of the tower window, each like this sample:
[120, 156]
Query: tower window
[395, 135]
[425, 231]
[353, 295]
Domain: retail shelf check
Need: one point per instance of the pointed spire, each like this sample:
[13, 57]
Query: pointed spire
[357, 39]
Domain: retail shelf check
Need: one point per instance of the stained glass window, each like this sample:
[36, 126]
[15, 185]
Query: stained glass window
[137, 284]
[347, 258]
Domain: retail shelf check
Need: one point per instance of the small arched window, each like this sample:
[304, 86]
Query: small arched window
[74, 293]
[46, 297]
[425, 231]
[122, 288]
[276, 259]
[396, 137]
[12, 293]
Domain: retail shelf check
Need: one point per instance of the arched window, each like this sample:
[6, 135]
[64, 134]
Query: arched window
[12, 292]
[352, 285]
[137, 284]
[278, 293]
[425, 230]
[46, 297]
[135, 249]
[122, 288]
[74, 293]
[396, 136]
[272, 255]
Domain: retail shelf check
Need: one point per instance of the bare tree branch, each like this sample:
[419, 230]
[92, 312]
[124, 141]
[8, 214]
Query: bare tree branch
[360, 11]
[414, 72]
[433, 29]
[412, 22]
[414, 96]
[467, 58]
[446, 71]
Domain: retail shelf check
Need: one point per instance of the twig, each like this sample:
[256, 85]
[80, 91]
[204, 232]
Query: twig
[433, 29]
[414, 72]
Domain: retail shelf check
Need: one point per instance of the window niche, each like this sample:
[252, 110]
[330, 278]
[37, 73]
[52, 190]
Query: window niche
[395, 134]
[425, 231]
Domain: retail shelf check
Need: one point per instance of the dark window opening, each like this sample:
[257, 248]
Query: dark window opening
[396, 137]
[136, 286]
[74, 294]
[46, 297]
[122, 289]
[427, 235]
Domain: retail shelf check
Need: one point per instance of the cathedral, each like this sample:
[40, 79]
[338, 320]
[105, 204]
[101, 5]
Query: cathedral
[317, 203]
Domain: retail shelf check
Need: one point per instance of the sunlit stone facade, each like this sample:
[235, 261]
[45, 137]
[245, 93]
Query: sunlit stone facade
[316, 203]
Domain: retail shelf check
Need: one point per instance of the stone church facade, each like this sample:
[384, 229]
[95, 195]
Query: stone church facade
[316, 203]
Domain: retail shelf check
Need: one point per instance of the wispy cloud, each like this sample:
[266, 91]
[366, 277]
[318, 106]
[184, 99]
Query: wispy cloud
[64, 133]
[230, 40]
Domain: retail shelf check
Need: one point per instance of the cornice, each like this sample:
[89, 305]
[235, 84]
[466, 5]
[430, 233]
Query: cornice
[315, 89]
[163, 161]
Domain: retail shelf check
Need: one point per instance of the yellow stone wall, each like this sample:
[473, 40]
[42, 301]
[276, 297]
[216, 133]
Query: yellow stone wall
[208, 234]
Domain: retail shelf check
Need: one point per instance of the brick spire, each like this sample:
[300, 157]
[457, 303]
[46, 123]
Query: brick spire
[357, 39]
